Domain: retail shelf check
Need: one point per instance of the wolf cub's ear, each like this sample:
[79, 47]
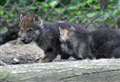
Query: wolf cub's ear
[61, 30]
[22, 16]
[64, 31]
[37, 20]
[64, 34]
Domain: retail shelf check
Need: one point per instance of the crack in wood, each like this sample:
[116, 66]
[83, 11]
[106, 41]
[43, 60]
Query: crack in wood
[69, 77]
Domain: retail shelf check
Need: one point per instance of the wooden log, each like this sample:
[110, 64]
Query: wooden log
[103, 70]
[13, 53]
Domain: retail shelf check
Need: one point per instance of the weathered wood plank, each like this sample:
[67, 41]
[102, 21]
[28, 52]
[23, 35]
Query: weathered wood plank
[73, 71]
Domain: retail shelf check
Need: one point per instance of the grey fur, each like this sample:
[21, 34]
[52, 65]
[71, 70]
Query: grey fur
[104, 43]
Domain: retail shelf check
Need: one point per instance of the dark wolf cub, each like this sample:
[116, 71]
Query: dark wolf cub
[45, 35]
[102, 43]
[75, 43]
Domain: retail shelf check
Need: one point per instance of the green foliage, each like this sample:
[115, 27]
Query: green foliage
[75, 11]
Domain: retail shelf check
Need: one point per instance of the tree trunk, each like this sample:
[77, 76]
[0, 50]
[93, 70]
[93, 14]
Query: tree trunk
[104, 70]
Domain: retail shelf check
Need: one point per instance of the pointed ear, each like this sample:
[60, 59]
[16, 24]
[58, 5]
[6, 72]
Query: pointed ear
[63, 30]
[41, 21]
[20, 20]
[22, 15]
[35, 17]
[38, 21]
[60, 29]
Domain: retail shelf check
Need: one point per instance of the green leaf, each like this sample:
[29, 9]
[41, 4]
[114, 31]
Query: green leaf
[53, 3]
[91, 14]
[1, 12]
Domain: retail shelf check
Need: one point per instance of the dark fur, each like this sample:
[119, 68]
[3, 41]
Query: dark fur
[46, 38]
[102, 43]
[106, 42]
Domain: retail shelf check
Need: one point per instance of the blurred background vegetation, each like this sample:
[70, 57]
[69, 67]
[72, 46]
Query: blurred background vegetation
[74, 11]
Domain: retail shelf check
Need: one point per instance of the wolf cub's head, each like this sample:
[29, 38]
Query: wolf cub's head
[65, 33]
[29, 28]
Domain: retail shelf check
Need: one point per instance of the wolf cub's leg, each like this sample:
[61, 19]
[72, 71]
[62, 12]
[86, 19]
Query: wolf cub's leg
[50, 55]
[64, 55]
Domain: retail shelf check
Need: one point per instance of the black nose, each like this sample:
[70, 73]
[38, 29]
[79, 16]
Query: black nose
[24, 41]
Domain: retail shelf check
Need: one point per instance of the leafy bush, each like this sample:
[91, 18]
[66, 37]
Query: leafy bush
[75, 11]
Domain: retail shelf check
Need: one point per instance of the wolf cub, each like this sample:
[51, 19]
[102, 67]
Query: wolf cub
[104, 43]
